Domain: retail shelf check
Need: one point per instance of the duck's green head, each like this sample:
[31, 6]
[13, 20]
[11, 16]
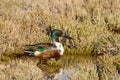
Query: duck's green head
[56, 33]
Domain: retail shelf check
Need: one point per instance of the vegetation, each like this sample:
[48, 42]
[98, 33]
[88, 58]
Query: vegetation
[94, 24]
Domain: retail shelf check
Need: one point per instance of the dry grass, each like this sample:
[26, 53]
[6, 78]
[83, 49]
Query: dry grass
[94, 24]
[21, 23]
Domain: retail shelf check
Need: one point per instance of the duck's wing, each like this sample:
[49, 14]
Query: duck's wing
[41, 47]
[41, 44]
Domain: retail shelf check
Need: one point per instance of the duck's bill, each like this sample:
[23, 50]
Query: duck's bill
[67, 37]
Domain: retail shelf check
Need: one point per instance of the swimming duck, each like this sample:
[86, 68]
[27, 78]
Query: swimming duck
[47, 51]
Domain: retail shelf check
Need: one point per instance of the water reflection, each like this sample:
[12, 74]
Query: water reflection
[49, 68]
[67, 68]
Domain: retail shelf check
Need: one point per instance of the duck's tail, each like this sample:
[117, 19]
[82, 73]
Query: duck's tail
[30, 52]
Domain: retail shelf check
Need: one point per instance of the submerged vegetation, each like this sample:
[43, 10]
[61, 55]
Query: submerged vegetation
[94, 24]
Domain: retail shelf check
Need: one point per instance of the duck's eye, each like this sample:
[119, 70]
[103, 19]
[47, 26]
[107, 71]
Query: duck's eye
[59, 33]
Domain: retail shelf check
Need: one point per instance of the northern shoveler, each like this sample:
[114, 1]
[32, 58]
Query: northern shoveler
[47, 51]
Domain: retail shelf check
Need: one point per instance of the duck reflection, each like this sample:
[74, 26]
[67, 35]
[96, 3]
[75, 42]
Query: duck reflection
[49, 68]
[62, 69]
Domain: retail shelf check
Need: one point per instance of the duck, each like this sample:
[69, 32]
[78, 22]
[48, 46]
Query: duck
[47, 51]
